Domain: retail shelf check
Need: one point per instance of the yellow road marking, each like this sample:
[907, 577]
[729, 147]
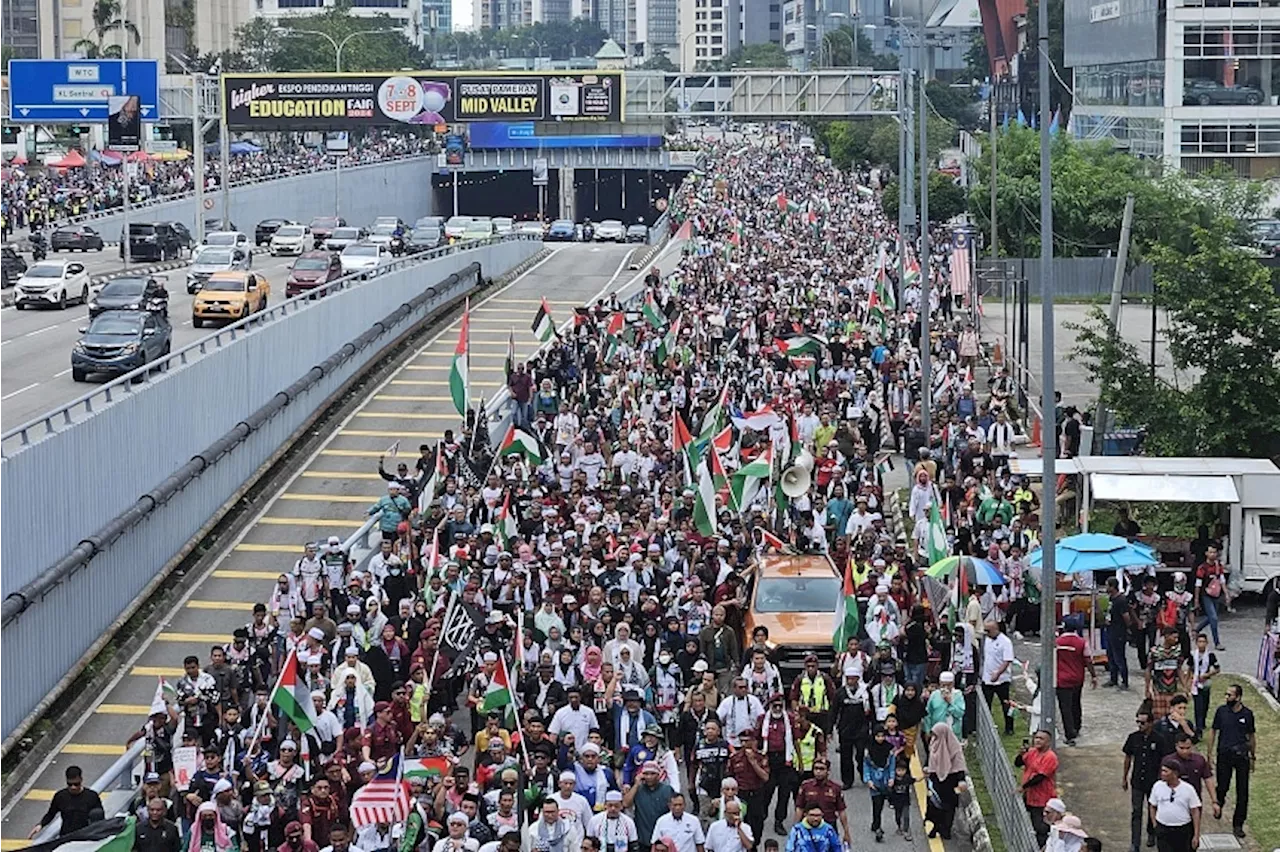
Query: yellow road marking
[473, 368]
[158, 671]
[249, 547]
[337, 474]
[367, 433]
[443, 383]
[922, 800]
[234, 574]
[406, 416]
[307, 522]
[103, 749]
[356, 454]
[37, 795]
[232, 605]
[12, 844]
[388, 397]
[516, 300]
[124, 709]
[329, 498]
[197, 638]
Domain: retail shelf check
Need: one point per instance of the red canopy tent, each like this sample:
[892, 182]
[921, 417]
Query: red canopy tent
[73, 160]
[140, 157]
[18, 160]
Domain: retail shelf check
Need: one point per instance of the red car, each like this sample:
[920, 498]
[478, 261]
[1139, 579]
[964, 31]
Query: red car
[313, 269]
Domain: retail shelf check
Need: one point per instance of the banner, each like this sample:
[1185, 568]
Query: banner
[124, 126]
[344, 101]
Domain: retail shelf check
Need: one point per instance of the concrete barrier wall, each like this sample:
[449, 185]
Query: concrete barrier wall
[397, 188]
[72, 483]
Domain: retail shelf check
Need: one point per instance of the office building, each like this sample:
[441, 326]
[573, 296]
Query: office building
[406, 15]
[709, 30]
[805, 23]
[760, 22]
[437, 18]
[502, 14]
[656, 29]
[1187, 81]
[20, 28]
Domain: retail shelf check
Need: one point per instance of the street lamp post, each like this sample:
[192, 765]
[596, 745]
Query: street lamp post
[337, 67]
[853, 46]
[684, 44]
[537, 55]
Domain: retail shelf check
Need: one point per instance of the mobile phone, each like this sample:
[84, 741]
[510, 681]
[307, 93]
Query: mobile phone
[1026, 743]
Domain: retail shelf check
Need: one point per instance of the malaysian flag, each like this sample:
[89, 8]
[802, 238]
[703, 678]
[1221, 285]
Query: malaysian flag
[961, 269]
[385, 799]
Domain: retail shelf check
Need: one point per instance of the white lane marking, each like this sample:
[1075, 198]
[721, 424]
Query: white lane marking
[42, 330]
[63, 373]
[20, 390]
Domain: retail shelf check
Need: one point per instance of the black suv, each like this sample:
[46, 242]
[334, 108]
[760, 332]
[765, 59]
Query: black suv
[12, 265]
[266, 229]
[152, 241]
[135, 293]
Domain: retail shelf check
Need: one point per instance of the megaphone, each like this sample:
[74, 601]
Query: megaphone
[805, 460]
[796, 479]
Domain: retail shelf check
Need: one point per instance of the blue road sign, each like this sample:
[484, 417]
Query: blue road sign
[53, 91]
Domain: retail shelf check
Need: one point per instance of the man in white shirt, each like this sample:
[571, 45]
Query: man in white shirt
[575, 811]
[574, 719]
[684, 830]
[1174, 806]
[615, 830]
[739, 711]
[457, 840]
[548, 833]
[730, 834]
[997, 671]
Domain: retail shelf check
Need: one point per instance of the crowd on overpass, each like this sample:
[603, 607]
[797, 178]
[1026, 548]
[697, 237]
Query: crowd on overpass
[562, 640]
[36, 196]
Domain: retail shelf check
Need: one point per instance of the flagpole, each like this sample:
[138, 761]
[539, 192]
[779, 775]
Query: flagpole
[435, 658]
[262, 723]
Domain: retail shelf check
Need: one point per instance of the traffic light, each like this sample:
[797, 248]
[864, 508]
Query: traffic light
[9, 135]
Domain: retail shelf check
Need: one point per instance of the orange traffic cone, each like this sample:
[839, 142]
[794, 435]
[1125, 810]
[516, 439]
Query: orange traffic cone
[1035, 432]
[997, 354]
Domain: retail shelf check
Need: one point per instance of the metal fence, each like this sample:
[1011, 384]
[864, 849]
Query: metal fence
[1015, 825]
[1073, 277]
[120, 456]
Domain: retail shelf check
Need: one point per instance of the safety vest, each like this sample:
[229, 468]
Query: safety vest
[807, 749]
[859, 572]
[415, 702]
[813, 693]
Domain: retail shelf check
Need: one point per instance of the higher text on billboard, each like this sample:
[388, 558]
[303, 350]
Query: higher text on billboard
[344, 101]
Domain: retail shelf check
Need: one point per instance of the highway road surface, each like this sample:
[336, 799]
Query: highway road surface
[35, 345]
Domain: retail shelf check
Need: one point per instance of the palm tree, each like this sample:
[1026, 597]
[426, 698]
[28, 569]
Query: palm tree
[107, 19]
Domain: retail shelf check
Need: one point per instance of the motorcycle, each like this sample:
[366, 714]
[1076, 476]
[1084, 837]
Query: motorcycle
[39, 248]
[397, 246]
[588, 232]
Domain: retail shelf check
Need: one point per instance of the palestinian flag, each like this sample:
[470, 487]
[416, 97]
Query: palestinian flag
[293, 697]
[543, 328]
[785, 205]
[848, 619]
[745, 483]
[713, 422]
[459, 383]
[670, 341]
[723, 441]
[884, 289]
[682, 444]
[520, 443]
[116, 834]
[497, 695]
[613, 334]
[911, 273]
[760, 420]
[875, 312]
[439, 471]
[432, 562]
[505, 525]
[427, 768]
[704, 502]
[801, 344]
[936, 542]
[719, 477]
[652, 313]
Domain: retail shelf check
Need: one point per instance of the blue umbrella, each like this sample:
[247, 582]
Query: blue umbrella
[1096, 552]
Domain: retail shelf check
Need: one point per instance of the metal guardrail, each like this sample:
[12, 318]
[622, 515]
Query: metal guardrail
[1015, 825]
[66, 415]
[125, 774]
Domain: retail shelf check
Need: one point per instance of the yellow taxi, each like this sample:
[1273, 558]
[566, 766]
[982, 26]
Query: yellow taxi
[795, 596]
[230, 295]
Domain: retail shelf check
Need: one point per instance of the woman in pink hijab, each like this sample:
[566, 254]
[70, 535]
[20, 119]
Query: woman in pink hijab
[592, 659]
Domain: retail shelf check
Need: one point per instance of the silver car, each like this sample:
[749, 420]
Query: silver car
[213, 259]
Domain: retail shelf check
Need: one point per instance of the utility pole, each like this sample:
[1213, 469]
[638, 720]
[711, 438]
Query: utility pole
[1049, 430]
[197, 151]
[991, 103]
[904, 192]
[127, 240]
[926, 281]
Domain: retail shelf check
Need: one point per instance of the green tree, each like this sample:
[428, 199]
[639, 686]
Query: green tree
[108, 20]
[946, 198]
[256, 44]
[1223, 330]
[954, 104]
[767, 55]
[297, 49]
[977, 62]
[1059, 94]
[659, 62]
